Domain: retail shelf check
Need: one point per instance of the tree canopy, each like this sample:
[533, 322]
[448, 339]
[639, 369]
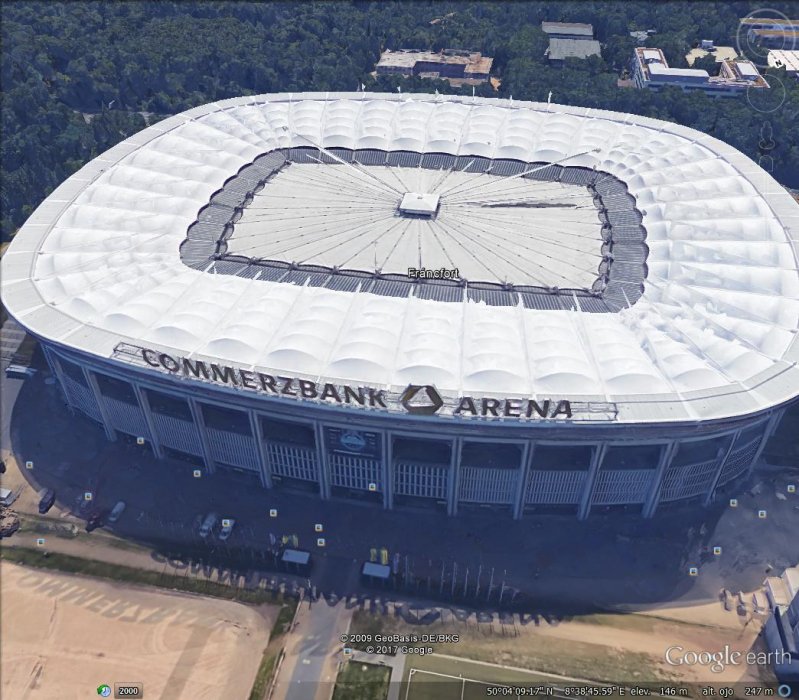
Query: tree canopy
[78, 77]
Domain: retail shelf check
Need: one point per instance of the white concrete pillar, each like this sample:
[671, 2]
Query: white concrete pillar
[91, 380]
[597, 456]
[323, 464]
[724, 455]
[199, 425]
[260, 450]
[144, 405]
[388, 469]
[769, 430]
[667, 453]
[59, 373]
[454, 476]
[521, 483]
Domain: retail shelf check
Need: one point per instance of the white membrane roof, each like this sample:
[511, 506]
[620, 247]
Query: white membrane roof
[713, 336]
[488, 227]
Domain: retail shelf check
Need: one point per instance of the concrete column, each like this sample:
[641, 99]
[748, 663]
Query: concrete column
[144, 405]
[769, 430]
[388, 470]
[724, 454]
[49, 359]
[199, 425]
[588, 491]
[263, 461]
[91, 380]
[323, 463]
[454, 476]
[667, 453]
[59, 373]
[521, 484]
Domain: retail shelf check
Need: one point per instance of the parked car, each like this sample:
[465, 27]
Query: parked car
[46, 500]
[82, 505]
[227, 528]
[96, 519]
[208, 524]
[116, 512]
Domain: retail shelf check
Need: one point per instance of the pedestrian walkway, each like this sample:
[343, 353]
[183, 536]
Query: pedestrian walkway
[313, 651]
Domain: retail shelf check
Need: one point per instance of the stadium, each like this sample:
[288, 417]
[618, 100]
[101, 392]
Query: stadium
[424, 300]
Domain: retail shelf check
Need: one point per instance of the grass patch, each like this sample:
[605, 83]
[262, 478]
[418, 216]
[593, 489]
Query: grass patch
[44, 526]
[266, 670]
[284, 617]
[268, 665]
[436, 678]
[127, 574]
[359, 681]
[47, 525]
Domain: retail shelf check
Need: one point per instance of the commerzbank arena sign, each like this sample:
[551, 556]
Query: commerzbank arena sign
[419, 400]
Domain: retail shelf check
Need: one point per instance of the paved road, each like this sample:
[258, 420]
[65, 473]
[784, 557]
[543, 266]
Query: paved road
[312, 652]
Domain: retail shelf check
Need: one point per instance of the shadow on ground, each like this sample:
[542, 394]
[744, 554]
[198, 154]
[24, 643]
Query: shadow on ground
[481, 558]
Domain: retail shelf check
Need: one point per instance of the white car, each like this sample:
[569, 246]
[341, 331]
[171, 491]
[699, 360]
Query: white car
[227, 528]
[116, 512]
[208, 524]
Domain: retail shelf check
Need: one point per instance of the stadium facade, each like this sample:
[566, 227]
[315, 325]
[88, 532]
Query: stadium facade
[611, 317]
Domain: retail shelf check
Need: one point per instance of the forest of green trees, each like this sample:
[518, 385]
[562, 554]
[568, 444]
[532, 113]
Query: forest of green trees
[77, 77]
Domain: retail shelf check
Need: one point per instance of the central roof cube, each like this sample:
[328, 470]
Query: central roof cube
[419, 204]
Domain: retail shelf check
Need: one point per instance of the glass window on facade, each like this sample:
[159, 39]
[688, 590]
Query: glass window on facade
[491, 455]
[420, 450]
[750, 434]
[72, 371]
[166, 405]
[287, 432]
[231, 420]
[620, 457]
[562, 458]
[113, 388]
[700, 450]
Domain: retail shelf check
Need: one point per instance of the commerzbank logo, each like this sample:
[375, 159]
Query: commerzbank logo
[416, 400]
[424, 400]
[421, 400]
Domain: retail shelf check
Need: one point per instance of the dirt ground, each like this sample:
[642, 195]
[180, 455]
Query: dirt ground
[610, 648]
[65, 635]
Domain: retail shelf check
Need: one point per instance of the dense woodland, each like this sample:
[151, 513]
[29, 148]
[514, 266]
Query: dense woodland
[78, 77]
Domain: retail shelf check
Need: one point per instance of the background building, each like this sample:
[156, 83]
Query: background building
[789, 60]
[772, 32]
[569, 40]
[720, 53]
[782, 628]
[458, 67]
[650, 70]
[232, 286]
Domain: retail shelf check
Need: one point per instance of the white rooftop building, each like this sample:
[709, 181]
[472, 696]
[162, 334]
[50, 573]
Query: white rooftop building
[789, 60]
[650, 70]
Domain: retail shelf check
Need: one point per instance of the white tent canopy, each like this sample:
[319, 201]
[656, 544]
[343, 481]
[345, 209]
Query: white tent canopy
[98, 263]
